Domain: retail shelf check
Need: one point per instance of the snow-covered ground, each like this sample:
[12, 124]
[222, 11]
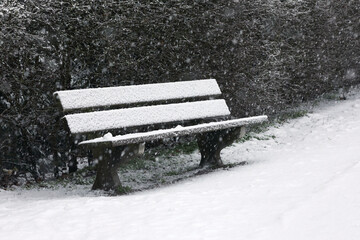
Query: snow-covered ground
[303, 182]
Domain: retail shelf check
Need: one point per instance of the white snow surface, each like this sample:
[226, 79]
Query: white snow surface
[174, 132]
[302, 183]
[138, 116]
[100, 97]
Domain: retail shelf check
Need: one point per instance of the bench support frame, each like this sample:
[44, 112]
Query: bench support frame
[109, 160]
[211, 143]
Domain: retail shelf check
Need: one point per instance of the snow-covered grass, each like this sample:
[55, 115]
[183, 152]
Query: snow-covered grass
[301, 182]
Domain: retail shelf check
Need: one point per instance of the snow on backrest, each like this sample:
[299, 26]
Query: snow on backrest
[138, 116]
[100, 97]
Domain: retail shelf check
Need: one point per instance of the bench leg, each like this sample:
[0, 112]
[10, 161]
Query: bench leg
[211, 143]
[109, 160]
[106, 175]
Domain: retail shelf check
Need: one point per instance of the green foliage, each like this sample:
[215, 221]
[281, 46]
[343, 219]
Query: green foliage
[135, 164]
[172, 173]
[165, 152]
[331, 96]
[187, 148]
[250, 136]
[291, 115]
[170, 151]
[121, 190]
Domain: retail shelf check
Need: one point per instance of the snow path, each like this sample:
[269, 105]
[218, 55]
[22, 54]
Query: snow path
[302, 184]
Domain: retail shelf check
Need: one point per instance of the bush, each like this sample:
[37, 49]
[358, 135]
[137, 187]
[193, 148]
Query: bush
[265, 54]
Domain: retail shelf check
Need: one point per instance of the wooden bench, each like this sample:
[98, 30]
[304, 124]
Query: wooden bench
[144, 113]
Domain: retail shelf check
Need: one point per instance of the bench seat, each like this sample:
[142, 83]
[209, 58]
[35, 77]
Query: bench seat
[141, 137]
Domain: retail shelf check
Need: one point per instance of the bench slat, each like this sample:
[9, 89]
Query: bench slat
[140, 116]
[174, 132]
[102, 97]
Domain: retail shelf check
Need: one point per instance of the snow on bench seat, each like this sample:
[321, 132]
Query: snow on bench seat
[147, 115]
[173, 132]
[101, 97]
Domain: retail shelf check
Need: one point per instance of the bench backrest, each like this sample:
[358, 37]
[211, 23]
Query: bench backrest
[155, 96]
[136, 94]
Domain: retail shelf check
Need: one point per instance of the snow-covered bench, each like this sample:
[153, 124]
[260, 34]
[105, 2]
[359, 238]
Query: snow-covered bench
[144, 113]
